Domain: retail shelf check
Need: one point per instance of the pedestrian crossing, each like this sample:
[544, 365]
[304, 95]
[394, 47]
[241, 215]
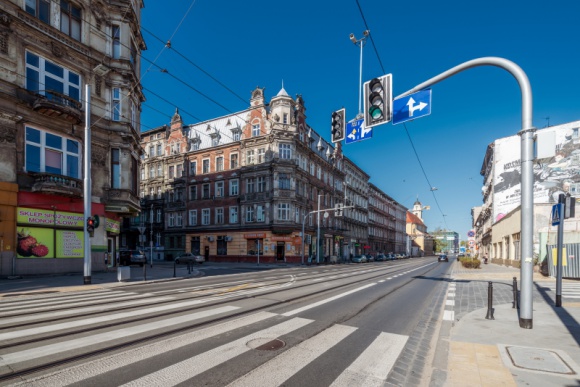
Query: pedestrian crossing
[569, 289]
[223, 347]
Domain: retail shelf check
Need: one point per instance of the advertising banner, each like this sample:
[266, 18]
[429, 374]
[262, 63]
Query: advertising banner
[70, 244]
[35, 242]
[49, 218]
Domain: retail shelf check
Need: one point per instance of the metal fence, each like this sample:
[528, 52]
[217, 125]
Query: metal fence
[570, 260]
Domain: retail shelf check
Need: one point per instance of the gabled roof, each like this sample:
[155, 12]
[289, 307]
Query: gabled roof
[412, 218]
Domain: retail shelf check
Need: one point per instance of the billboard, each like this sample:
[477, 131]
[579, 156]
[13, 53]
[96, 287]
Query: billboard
[552, 176]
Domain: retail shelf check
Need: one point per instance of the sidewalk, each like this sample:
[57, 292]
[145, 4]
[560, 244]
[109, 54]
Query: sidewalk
[486, 352]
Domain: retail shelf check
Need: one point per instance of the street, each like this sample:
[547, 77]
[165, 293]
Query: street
[356, 324]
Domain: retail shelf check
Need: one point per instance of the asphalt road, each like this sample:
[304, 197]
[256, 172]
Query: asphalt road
[316, 326]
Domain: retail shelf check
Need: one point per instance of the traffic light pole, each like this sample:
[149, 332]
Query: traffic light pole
[527, 158]
[87, 186]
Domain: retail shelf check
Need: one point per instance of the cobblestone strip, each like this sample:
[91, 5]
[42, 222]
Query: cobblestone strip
[411, 365]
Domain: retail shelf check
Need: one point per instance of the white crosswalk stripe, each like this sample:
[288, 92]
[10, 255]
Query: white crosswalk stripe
[569, 290]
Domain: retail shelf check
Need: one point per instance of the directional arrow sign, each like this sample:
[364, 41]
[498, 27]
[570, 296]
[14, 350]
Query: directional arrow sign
[356, 131]
[412, 106]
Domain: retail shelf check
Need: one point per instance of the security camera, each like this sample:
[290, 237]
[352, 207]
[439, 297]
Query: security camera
[352, 38]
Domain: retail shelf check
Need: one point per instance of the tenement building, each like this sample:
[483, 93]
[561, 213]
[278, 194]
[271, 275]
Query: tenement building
[50, 51]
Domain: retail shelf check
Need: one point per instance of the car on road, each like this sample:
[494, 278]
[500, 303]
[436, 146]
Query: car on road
[190, 257]
[443, 258]
[359, 259]
[131, 257]
[391, 257]
[380, 257]
[370, 257]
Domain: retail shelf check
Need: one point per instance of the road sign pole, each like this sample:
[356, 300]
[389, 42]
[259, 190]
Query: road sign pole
[527, 170]
[562, 209]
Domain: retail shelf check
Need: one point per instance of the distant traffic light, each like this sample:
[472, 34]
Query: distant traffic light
[378, 101]
[97, 221]
[338, 125]
[91, 226]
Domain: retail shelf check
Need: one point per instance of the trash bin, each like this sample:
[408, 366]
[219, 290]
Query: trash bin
[123, 273]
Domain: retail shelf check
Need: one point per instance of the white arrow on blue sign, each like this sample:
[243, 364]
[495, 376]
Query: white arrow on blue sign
[556, 214]
[412, 106]
[356, 131]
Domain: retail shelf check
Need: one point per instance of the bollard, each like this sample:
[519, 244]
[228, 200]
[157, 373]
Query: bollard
[515, 289]
[490, 302]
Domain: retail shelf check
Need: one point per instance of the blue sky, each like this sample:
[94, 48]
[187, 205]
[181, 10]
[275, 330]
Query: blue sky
[305, 45]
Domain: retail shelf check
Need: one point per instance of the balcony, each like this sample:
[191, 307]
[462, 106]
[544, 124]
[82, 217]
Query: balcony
[121, 201]
[56, 184]
[52, 104]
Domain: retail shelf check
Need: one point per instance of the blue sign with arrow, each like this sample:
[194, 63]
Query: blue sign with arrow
[412, 106]
[356, 131]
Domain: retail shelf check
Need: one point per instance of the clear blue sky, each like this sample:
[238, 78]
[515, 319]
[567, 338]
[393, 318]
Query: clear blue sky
[306, 45]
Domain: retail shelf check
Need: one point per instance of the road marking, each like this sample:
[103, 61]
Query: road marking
[372, 367]
[314, 305]
[450, 302]
[64, 346]
[451, 295]
[102, 307]
[448, 315]
[390, 278]
[187, 369]
[276, 371]
[46, 304]
[381, 280]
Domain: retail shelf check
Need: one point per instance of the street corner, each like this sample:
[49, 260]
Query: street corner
[472, 364]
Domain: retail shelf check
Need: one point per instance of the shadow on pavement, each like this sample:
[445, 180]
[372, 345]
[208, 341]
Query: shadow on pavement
[567, 319]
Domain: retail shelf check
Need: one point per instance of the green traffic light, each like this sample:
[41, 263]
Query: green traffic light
[375, 112]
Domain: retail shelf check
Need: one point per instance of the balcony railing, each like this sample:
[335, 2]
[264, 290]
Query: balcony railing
[53, 104]
[56, 184]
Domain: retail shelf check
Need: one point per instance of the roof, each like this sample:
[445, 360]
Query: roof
[412, 218]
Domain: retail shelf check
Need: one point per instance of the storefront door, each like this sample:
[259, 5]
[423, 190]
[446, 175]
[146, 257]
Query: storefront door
[280, 251]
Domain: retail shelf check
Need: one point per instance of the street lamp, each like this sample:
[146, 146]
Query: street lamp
[360, 42]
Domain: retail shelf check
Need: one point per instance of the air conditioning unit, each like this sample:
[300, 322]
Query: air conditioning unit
[229, 239]
[210, 238]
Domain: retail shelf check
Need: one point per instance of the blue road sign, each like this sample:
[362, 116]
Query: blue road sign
[356, 131]
[556, 214]
[412, 106]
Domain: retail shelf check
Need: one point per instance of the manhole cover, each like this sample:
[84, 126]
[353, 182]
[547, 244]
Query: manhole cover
[265, 344]
[538, 360]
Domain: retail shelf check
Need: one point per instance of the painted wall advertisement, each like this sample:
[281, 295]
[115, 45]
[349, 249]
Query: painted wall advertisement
[552, 176]
[47, 242]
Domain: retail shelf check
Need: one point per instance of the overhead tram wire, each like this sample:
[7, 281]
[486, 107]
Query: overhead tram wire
[408, 135]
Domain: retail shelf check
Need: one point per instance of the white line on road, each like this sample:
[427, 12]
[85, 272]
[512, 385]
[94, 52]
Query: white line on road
[448, 315]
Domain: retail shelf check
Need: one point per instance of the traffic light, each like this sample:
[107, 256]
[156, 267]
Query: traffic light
[97, 220]
[378, 101]
[91, 226]
[338, 125]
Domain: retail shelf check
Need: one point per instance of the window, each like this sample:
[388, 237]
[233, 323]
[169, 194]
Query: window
[261, 184]
[255, 130]
[192, 168]
[171, 171]
[116, 104]
[261, 155]
[205, 166]
[193, 192]
[219, 164]
[179, 172]
[115, 168]
[205, 191]
[116, 38]
[234, 161]
[219, 216]
[142, 173]
[283, 211]
[285, 151]
[179, 219]
[70, 19]
[159, 152]
[236, 136]
[297, 216]
[159, 194]
[151, 151]
[46, 152]
[250, 185]
[151, 172]
[219, 189]
[205, 216]
[39, 9]
[250, 157]
[259, 213]
[285, 118]
[283, 181]
[215, 141]
[233, 214]
[159, 170]
[222, 246]
[171, 219]
[158, 217]
[250, 213]
[234, 187]
[44, 77]
[193, 217]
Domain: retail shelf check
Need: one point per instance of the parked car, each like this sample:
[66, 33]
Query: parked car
[130, 257]
[359, 259]
[190, 257]
[380, 257]
[443, 258]
[370, 258]
[391, 257]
